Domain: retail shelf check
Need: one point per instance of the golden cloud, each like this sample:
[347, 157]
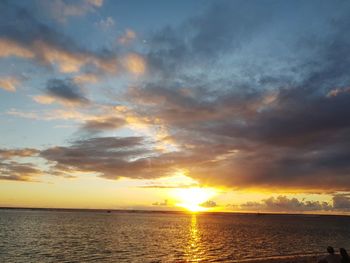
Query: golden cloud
[135, 64]
[97, 3]
[61, 10]
[10, 48]
[9, 83]
[44, 99]
[128, 36]
[85, 78]
[66, 61]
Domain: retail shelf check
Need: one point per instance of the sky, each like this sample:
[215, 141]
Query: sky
[175, 105]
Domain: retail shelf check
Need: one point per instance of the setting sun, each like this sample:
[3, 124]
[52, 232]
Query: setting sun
[192, 199]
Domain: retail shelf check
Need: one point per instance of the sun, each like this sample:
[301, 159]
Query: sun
[192, 198]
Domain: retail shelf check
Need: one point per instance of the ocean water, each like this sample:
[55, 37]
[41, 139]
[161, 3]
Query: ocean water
[53, 236]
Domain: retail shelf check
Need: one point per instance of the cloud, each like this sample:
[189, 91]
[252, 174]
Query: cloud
[23, 35]
[86, 78]
[109, 157]
[128, 36]
[97, 3]
[105, 24]
[341, 202]
[25, 152]
[72, 61]
[9, 83]
[285, 204]
[222, 29]
[209, 204]
[62, 10]
[135, 64]
[169, 186]
[59, 114]
[11, 48]
[64, 90]
[15, 170]
[275, 121]
[43, 99]
[164, 203]
[245, 103]
[103, 124]
[337, 91]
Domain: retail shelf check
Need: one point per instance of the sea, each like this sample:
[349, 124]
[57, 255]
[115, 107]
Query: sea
[132, 236]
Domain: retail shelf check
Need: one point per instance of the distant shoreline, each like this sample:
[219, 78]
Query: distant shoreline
[164, 211]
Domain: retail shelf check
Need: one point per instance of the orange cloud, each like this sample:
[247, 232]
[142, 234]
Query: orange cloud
[148, 126]
[135, 64]
[9, 83]
[85, 78]
[25, 152]
[97, 3]
[43, 99]
[61, 10]
[59, 114]
[335, 92]
[128, 36]
[10, 48]
[109, 65]
[66, 61]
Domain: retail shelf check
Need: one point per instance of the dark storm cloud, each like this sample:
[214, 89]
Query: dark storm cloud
[341, 202]
[224, 27]
[251, 139]
[171, 104]
[110, 157]
[273, 125]
[65, 90]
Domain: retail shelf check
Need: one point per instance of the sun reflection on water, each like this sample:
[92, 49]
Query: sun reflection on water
[194, 253]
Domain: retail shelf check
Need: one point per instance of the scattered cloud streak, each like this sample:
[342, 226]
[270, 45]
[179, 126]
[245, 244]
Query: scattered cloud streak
[340, 203]
[128, 36]
[9, 83]
[285, 204]
[109, 157]
[14, 170]
[106, 24]
[164, 203]
[65, 90]
[61, 10]
[106, 124]
[23, 35]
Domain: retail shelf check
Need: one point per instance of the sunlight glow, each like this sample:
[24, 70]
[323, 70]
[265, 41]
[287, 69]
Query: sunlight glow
[193, 198]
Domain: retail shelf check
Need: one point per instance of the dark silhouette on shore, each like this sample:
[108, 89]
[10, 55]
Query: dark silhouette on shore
[331, 257]
[344, 256]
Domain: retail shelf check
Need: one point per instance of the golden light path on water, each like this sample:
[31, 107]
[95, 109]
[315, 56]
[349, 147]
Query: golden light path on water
[194, 253]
